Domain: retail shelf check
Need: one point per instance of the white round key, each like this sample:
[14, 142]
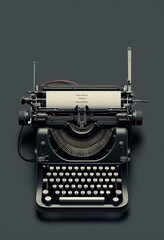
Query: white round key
[119, 192]
[45, 191]
[51, 180]
[119, 180]
[107, 192]
[51, 168]
[45, 180]
[115, 174]
[48, 198]
[115, 199]
[112, 168]
[106, 168]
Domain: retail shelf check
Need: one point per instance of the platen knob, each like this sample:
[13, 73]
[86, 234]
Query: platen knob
[137, 118]
[23, 117]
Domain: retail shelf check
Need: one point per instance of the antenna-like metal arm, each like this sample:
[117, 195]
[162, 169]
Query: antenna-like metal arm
[34, 76]
[129, 53]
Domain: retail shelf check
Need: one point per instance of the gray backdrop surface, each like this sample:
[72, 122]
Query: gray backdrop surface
[84, 41]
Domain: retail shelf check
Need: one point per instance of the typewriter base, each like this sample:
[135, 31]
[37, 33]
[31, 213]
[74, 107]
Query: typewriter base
[84, 214]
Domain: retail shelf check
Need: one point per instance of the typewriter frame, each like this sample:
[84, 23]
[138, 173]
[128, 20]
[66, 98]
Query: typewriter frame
[120, 119]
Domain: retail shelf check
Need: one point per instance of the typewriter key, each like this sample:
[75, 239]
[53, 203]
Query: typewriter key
[106, 180]
[110, 186]
[97, 174]
[79, 186]
[76, 180]
[76, 168]
[54, 186]
[55, 174]
[83, 180]
[109, 174]
[57, 168]
[103, 174]
[106, 168]
[112, 168]
[95, 192]
[91, 174]
[101, 192]
[45, 192]
[95, 180]
[82, 192]
[76, 192]
[61, 186]
[64, 168]
[70, 168]
[57, 192]
[104, 186]
[63, 192]
[92, 186]
[119, 180]
[64, 180]
[73, 186]
[79, 174]
[45, 180]
[94, 168]
[107, 192]
[85, 186]
[51, 180]
[119, 192]
[88, 168]
[98, 186]
[51, 168]
[115, 174]
[101, 180]
[89, 192]
[61, 174]
[57, 179]
[48, 198]
[70, 180]
[89, 180]
[67, 174]
[69, 192]
[100, 168]
[115, 199]
[113, 180]
[48, 174]
[66, 186]
[73, 174]
[85, 174]
[82, 168]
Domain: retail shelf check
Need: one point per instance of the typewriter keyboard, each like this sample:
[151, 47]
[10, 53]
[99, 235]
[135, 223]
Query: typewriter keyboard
[80, 184]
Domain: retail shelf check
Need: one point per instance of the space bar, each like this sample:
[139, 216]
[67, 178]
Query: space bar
[81, 199]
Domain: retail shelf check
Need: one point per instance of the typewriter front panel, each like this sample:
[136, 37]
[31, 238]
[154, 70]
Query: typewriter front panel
[84, 169]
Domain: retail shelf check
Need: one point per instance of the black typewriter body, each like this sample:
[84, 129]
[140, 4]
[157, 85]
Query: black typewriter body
[82, 151]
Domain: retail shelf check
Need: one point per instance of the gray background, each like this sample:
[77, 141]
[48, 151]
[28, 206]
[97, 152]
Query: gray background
[84, 41]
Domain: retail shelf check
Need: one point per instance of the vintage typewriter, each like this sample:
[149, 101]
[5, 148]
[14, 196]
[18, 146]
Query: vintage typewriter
[82, 145]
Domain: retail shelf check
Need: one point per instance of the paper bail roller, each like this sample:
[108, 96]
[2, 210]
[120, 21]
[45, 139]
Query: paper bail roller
[93, 99]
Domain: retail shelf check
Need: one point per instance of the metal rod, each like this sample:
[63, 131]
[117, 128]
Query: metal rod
[34, 76]
[129, 53]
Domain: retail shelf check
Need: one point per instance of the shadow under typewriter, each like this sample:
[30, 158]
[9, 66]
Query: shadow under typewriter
[86, 175]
